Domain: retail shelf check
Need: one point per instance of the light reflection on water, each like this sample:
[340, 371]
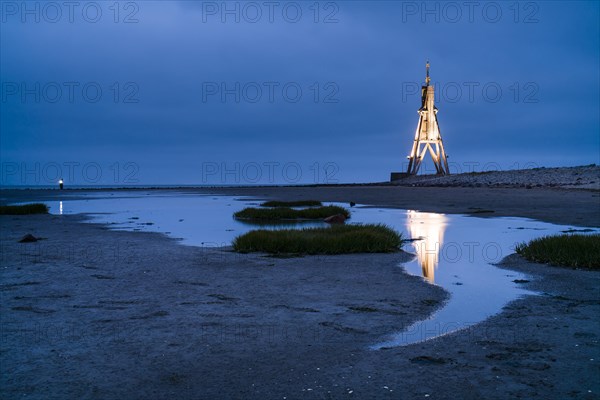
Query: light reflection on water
[428, 230]
[455, 252]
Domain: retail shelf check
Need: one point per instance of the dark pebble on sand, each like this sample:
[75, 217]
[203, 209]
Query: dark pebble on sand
[29, 238]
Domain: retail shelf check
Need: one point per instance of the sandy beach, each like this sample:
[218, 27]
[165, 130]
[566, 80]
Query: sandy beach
[93, 313]
[556, 205]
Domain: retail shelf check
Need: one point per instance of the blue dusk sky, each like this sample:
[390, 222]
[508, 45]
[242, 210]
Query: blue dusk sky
[184, 92]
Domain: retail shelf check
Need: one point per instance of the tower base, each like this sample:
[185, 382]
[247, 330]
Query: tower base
[396, 176]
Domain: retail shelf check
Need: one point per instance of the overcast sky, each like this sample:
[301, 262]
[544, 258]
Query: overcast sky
[157, 92]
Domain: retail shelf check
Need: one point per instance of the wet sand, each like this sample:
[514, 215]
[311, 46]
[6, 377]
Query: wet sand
[93, 313]
[560, 206]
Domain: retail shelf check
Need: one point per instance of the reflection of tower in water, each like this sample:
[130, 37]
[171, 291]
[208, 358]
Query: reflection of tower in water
[428, 227]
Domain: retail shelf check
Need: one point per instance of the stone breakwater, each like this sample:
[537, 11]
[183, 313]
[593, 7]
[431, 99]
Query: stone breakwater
[585, 177]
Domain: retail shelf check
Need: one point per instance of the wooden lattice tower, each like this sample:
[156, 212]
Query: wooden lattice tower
[427, 136]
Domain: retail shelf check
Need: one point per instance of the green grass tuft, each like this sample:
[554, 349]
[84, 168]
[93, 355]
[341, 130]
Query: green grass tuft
[35, 208]
[300, 203]
[338, 239]
[286, 213]
[579, 251]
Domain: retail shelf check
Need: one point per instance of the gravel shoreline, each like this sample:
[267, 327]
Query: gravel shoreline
[583, 177]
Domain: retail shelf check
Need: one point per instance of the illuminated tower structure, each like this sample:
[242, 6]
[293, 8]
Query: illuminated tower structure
[427, 136]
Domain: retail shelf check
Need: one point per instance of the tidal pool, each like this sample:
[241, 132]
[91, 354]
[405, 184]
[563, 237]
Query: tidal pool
[197, 220]
[456, 252]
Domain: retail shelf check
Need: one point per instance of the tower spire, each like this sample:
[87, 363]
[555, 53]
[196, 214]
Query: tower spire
[427, 79]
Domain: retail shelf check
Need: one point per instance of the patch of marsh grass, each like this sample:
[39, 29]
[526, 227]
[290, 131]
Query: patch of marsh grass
[25, 209]
[337, 239]
[579, 251]
[299, 203]
[286, 213]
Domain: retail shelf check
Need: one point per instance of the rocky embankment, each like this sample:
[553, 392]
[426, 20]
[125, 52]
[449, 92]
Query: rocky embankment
[584, 177]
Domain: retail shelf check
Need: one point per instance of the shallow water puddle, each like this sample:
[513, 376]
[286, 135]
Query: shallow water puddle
[455, 252]
[198, 220]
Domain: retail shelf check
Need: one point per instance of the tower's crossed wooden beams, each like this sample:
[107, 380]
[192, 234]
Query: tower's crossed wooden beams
[427, 136]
